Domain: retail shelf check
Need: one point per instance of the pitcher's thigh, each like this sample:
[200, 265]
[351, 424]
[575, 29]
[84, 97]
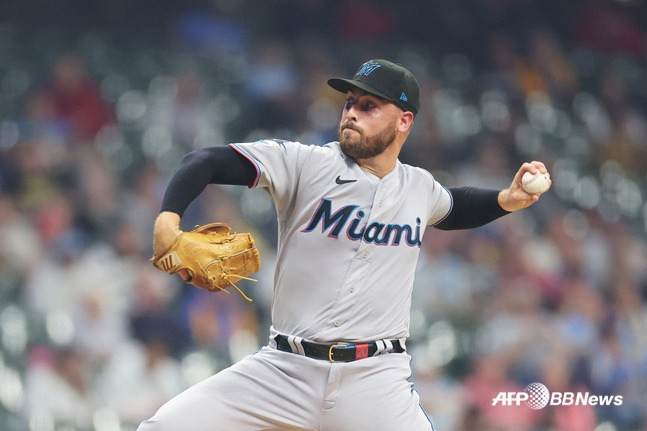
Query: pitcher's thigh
[253, 394]
[376, 394]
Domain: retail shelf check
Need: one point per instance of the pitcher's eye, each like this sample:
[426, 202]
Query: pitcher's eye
[361, 105]
[367, 106]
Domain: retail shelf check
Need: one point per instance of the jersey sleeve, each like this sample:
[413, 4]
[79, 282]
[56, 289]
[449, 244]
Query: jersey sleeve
[278, 165]
[440, 200]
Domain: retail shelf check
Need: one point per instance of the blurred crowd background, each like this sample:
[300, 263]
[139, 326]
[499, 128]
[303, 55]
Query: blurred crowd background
[99, 101]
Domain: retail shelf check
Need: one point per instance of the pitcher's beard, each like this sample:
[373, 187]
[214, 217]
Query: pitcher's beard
[365, 147]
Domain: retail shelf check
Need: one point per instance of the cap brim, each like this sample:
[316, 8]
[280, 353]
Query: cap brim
[343, 85]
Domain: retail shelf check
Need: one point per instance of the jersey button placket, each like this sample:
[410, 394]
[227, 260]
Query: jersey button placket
[382, 186]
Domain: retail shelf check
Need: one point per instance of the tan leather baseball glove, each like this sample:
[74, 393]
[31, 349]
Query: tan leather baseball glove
[214, 258]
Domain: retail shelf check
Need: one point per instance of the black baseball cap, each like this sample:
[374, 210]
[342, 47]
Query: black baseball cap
[384, 79]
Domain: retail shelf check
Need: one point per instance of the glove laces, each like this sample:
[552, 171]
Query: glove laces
[227, 276]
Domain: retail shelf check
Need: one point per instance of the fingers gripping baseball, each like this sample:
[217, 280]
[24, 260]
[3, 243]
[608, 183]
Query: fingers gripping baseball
[531, 180]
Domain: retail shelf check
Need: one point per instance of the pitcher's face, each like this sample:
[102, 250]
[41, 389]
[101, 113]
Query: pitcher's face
[367, 126]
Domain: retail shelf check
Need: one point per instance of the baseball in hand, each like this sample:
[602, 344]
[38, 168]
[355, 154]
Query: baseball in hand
[535, 183]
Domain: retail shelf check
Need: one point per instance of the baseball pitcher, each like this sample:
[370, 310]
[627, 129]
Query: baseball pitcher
[351, 218]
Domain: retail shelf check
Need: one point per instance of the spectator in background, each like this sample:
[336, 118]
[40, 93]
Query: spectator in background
[558, 73]
[59, 388]
[96, 193]
[140, 203]
[490, 377]
[183, 110]
[19, 246]
[140, 376]
[214, 31]
[149, 316]
[556, 374]
[42, 121]
[272, 87]
[76, 99]
[609, 27]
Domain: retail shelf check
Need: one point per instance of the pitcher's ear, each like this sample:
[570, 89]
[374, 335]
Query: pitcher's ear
[406, 121]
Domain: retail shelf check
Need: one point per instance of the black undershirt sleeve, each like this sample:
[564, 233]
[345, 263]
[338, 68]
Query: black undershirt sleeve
[212, 165]
[472, 207]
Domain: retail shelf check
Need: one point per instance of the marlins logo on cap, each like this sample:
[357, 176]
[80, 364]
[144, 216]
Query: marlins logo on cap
[384, 79]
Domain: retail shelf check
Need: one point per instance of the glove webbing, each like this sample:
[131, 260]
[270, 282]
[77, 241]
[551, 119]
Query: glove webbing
[227, 276]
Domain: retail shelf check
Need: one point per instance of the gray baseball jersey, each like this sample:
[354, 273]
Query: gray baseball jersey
[348, 240]
[348, 245]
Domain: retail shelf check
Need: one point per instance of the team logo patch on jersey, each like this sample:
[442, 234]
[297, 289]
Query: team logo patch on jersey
[350, 218]
[279, 143]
